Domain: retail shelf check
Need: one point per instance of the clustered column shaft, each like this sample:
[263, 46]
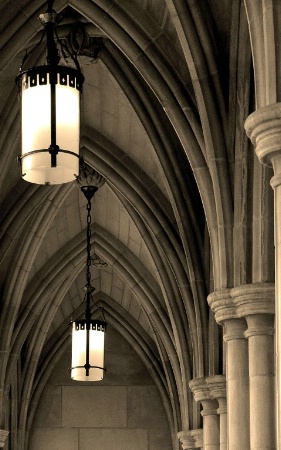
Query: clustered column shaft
[261, 374]
[247, 314]
[264, 129]
[208, 391]
[238, 420]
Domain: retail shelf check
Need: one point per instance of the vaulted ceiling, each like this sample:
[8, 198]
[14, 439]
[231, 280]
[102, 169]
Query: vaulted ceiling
[163, 107]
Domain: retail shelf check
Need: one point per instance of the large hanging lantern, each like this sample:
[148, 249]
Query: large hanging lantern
[50, 116]
[87, 363]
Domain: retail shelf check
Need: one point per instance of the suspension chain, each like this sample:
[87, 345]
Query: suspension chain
[89, 192]
[89, 288]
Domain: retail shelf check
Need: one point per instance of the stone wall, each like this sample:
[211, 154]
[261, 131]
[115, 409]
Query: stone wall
[124, 411]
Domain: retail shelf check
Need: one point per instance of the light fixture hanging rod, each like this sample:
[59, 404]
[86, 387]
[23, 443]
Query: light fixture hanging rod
[50, 5]
[49, 20]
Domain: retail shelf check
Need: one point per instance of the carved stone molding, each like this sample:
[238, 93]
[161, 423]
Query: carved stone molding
[191, 439]
[264, 129]
[217, 386]
[208, 388]
[242, 301]
[200, 389]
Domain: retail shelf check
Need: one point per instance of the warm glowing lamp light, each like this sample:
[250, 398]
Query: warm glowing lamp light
[50, 116]
[87, 350]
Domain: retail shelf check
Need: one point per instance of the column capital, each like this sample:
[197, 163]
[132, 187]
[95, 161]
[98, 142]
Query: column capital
[3, 436]
[222, 409]
[263, 127]
[208, 388]
[217, 386]
[242, 301]
[204, 392]
[255, 298]
[234, 329]
[260, 325]
[191, 439]
[210, 407]
[221, 304]
[200, 389]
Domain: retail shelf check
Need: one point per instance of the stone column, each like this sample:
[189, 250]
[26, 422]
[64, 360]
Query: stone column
[217, 386]
[222, 411]
[191, 439]
[3, 436]
[261, 372]
[264, 129]
[237, 371]
[248, 312]
[211, 433]
[256, 303]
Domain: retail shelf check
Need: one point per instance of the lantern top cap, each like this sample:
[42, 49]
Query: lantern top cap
[47, 17]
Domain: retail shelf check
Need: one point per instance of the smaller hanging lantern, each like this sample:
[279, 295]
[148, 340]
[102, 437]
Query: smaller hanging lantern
[88, 350]
[87, 362]
[50, 115]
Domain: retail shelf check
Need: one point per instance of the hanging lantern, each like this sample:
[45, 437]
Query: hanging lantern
[88, 350]
[87, 363]
[50, 116]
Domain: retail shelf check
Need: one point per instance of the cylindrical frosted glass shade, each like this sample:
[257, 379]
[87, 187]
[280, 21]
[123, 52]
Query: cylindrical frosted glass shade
[88, 338]
[50, 115]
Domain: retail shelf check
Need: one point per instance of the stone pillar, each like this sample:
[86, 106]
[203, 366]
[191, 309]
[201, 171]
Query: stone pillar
[3, 436]
[217, 386]
[261, 373]
[237, 372]
[247, 313]
[222, 411]
[264, 129]
[211, 433]
[256, 303]
[191, 439]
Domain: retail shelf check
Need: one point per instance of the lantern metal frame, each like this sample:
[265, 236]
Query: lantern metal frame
[87, 323]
